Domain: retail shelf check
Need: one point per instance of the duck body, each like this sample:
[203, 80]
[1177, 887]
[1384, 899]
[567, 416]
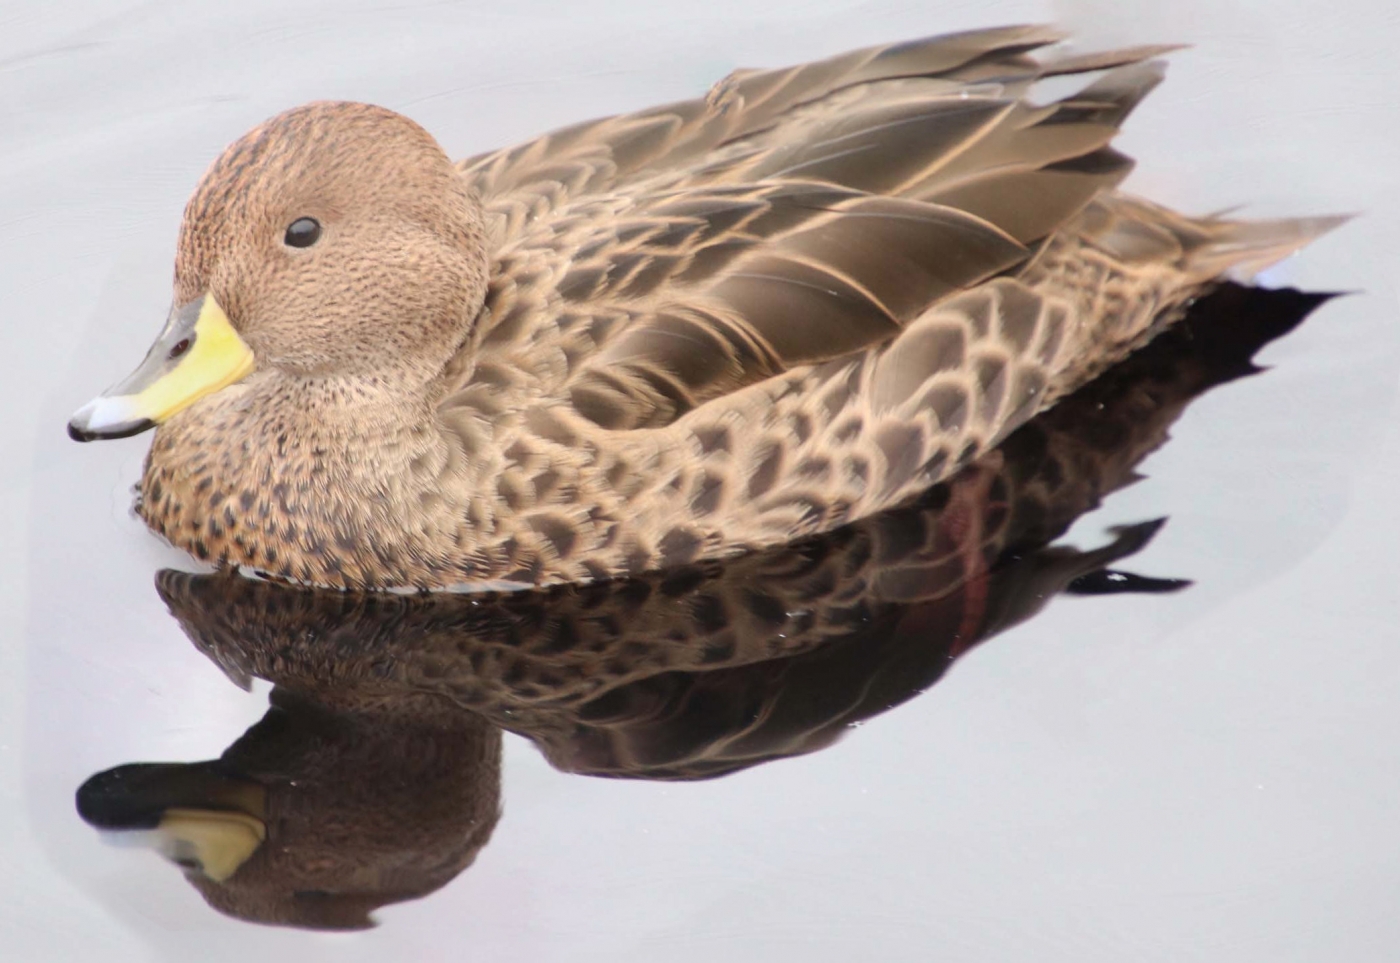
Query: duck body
[661, 337]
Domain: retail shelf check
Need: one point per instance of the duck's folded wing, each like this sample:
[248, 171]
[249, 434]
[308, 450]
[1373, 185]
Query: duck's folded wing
[648, 263]
[525, 182]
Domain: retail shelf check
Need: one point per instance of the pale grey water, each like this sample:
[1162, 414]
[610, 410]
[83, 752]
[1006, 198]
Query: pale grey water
[1205, 776]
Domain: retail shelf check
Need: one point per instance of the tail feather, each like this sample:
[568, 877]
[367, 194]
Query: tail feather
[1241, 249]
[1136, 232]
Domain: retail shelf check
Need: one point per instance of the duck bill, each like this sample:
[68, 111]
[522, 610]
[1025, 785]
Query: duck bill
[199, 817]
[198, 353]
[210, 842]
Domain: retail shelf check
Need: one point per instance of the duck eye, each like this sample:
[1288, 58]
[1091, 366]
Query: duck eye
[303, 232]
[180, 348]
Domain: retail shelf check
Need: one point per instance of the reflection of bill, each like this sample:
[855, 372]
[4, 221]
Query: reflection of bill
[320, 813]
[375, 777]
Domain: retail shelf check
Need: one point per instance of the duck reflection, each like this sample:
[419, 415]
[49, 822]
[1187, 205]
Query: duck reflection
[324, 810]
[375, 775]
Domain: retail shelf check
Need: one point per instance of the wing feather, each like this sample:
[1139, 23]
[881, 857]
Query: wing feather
[648, 263]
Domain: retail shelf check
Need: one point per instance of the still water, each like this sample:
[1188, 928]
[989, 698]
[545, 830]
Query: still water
[1111, 765]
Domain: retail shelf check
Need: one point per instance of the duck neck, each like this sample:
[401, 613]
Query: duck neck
[308, 479]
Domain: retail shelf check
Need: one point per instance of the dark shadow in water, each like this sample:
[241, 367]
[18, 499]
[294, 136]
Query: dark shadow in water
[375, 775]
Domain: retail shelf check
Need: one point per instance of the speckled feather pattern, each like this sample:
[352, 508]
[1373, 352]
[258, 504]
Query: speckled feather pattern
[595, 674]
[658, 338]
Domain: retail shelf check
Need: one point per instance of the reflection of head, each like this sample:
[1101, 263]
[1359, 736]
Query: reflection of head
[316, 817]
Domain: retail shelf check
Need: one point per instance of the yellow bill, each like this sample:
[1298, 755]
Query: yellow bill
[198, 353]
[211, 842]
[200, 816]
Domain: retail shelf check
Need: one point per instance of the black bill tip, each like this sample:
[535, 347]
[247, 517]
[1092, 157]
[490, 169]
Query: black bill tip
[78, 431]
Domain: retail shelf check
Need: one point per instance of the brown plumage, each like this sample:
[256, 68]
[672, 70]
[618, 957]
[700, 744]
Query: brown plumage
[525, 658]
[379, 759]
[668, 336]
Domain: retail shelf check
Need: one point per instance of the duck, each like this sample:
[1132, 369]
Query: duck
[656, 338]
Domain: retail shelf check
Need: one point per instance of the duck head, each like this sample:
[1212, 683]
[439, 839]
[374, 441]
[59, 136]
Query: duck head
[335, 243]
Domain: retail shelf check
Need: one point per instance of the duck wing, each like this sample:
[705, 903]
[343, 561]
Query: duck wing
[649, 262]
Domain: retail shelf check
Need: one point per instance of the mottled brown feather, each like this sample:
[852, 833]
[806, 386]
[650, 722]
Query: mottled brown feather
[379, 759]
[601, 675]
[631, 343]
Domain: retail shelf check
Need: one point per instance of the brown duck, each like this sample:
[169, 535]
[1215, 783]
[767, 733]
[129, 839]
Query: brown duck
[653, 338]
